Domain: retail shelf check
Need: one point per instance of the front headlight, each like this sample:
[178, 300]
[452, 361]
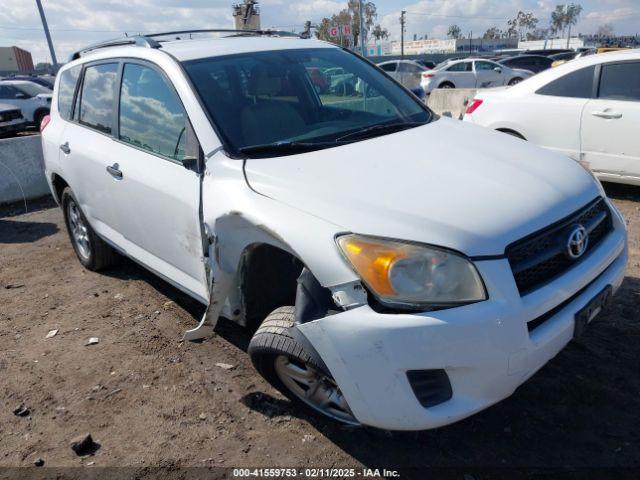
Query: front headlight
[410, 275]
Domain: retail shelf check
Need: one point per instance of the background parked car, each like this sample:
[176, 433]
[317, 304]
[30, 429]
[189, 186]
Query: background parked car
[34, 100]
[11, 119]
[533, 63]
[407, 72]
[43, 80]
[588, 109]
[471, 73]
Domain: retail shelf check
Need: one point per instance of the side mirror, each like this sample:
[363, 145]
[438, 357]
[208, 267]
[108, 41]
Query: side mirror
[498, 69]
[21, 96]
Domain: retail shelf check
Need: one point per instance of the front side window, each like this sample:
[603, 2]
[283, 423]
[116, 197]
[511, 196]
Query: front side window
[31, 89]
[280, 102]
[578, 84]
[151, 115]
[98, 94]
[389, 67]
[620, 81]
[460, 67]
[485, 66]
[66, 90]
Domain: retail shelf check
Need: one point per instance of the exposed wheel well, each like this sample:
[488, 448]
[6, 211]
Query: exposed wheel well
[508, 131]
[268, 281]
[448, 83]
[59, 185]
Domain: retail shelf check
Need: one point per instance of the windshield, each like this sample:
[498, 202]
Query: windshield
[31, 89]
[310, 98]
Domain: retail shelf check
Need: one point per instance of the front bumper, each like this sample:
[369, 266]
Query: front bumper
[486, 348]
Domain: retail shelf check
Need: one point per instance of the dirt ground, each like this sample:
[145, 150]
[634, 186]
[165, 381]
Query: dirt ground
[150, 399]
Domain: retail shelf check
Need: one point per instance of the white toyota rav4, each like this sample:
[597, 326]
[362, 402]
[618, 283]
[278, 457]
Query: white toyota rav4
[399, 270]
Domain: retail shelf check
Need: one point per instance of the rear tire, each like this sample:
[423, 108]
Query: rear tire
[94, 254]
[285, 364]
[38, 116]
[447, 85]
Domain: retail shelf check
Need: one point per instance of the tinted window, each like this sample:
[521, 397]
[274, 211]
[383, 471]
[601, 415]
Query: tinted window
[389, 67]
[578, 84]
[460, 67]
[7, 91]
[620, 81]
[98, 94]
[151, 114]
[409, 68]
[66, 90]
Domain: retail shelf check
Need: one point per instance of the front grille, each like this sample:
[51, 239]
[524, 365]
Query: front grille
[10, 115]
[541, 257]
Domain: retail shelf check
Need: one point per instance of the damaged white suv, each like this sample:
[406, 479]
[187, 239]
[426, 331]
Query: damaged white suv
[399, 270]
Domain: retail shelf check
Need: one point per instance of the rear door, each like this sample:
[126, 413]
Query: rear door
[157, 196]
[611, 122]
[86, 148]
[461, 74]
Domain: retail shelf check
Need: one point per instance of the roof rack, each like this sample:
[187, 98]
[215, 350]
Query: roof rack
[148, 41]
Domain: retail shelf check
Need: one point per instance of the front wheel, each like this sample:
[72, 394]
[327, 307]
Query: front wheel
[286, 365]
[514, 81]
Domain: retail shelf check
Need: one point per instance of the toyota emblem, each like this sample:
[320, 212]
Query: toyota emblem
[578, 242]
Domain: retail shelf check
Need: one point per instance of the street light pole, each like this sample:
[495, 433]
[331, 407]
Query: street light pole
[363, 48]
[48, 35]
[402, 23]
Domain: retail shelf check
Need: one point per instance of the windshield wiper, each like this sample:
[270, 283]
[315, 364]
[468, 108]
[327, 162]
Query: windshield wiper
[380, 129]
[286, 148]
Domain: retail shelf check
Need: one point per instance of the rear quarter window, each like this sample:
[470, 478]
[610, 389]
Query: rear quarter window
[577, 84]
[66, 91]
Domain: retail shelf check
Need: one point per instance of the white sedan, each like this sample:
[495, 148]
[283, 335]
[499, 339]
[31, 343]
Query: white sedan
[587, 109]
[471, 73]
[34, 100]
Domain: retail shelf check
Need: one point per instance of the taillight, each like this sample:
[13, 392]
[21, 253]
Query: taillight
[427, 75]
[45, 121]
[474, 106]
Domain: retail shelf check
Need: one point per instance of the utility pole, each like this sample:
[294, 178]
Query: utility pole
[402, 24]
[48, 35]
[363, 47]
[569, 36]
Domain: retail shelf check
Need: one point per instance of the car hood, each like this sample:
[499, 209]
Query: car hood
[447, 183]
[45, 96]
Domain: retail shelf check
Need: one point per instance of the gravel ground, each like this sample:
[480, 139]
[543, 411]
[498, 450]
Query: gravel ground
[149, 399]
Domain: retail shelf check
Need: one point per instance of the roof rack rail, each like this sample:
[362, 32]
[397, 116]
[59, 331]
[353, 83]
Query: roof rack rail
[148, 41]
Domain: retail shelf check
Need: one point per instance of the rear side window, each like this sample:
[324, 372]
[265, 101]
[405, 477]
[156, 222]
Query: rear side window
[151, 115]
[578, 84]
[98, 95]
[620, 81]
[66, 90]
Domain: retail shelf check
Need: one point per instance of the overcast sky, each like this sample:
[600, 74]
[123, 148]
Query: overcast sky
[75, 23]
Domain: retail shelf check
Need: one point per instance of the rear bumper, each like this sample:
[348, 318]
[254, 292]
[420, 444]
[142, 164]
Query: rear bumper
[486, 349]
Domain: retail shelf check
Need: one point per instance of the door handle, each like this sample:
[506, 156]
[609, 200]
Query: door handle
[114, 171]
[608, 114]
[65, 148]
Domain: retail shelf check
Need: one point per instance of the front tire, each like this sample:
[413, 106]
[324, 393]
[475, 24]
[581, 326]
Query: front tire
[285, 364]
[514, 81]
[94, 254]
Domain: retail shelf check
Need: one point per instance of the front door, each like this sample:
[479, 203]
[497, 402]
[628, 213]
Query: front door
[157, 196]
[611, 121]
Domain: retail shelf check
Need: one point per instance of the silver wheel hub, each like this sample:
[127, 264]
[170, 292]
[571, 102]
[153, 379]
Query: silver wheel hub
[315, 388]
[79, 231]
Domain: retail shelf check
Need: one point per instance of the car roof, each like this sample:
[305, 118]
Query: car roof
[205, 47]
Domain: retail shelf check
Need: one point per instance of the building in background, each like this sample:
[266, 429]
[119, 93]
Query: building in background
[552, 43]
[15, 60]
[246, 15]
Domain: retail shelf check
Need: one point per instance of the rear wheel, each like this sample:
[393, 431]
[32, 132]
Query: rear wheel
[447, 85]
[286, 365]
[93, 253]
